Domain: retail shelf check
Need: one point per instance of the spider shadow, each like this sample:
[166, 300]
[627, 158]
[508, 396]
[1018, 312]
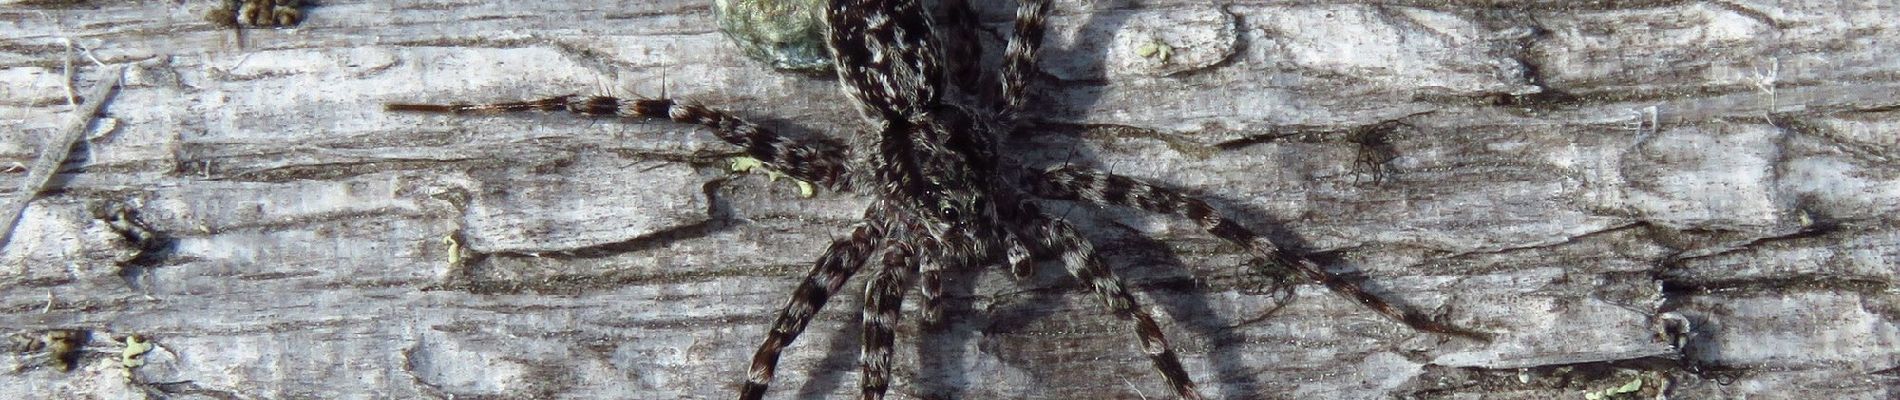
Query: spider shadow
[1189, 303]
[1178, 293]
[841, 357]
[1151, 269]
[1232, 374]
[952, 342]
[942, 350]
[1183, 301]
[939, 346]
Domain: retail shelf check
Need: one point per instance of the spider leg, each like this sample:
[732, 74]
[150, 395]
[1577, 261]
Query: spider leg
[1022, 263]
[962, 46]
[797, 159]
[1019, 226]
[1077, 184]
[838, 263]
[883, 296]
[1079, 257]
[930, 282]
[1020, 57]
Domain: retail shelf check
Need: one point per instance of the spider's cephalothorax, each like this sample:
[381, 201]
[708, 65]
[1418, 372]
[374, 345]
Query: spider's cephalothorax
[945, 197]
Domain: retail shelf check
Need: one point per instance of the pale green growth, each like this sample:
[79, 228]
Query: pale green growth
[133, 356]
[749, 164]
[789, 34]
[1155, 49]
[455, 250]
[1633, 386]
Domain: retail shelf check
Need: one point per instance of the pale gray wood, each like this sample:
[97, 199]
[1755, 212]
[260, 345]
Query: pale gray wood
[1583, 181]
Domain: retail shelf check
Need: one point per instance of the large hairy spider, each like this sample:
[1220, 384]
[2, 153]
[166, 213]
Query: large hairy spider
[944, 196]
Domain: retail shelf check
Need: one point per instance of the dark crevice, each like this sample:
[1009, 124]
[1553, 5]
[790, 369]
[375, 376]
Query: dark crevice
[1113, 133]
[471, 262]
[1817, 228]
[328, 171]
[646, 242]
[1374, 148]
[1869, 152]
[718, 216]
[1547, 246]
[1780, 284]
[192, 388]
[1889, 372]
[1653, 377]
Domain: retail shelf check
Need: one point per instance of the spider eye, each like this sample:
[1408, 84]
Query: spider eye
[949, 212]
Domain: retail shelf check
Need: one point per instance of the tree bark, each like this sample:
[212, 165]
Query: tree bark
[1694, 199]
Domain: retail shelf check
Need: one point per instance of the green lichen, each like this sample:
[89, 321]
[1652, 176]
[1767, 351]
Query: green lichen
[788, 34]
[749, 164]
[1633, 386]
[455, 249]
[1155, 49]
[133, 356]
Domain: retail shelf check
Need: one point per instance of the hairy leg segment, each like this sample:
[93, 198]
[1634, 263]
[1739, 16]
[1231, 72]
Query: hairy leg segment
[804, 161]
[1094, 187]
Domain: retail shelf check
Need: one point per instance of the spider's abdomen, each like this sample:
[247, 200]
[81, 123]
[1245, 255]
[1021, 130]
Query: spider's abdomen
[888, 59]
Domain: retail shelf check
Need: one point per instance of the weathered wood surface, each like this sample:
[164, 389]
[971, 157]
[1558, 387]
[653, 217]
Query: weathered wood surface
[1591, 183]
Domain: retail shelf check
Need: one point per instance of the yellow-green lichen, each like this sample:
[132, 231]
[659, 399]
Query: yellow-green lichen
[1155, 49]
[455, 249]
[133, 356]
[1633, 386]
[749, 164]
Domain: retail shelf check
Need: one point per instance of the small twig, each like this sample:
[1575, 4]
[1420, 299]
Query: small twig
[72, 99]
[55, 152]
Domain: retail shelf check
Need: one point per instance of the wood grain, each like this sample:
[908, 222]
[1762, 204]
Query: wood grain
[1593, 183]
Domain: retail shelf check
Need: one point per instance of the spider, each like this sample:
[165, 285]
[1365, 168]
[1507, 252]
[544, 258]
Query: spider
[944, 196]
